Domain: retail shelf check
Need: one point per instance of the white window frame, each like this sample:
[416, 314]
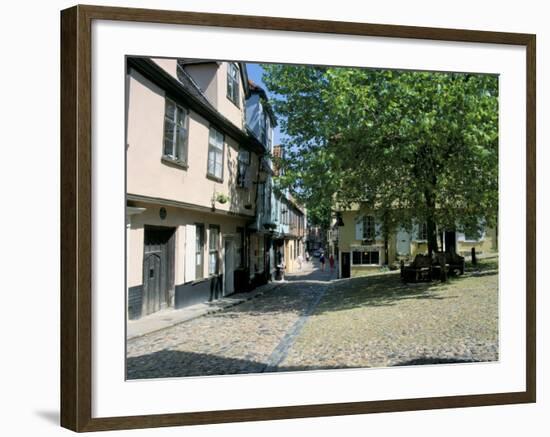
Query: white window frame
[363, 251]
[369, 221]
[213, 270]
[233, 86]
[216, 151]
[243, 167]
[199, 250]
[178, 151]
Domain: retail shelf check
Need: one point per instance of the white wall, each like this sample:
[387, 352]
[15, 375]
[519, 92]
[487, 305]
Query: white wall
[30, 186]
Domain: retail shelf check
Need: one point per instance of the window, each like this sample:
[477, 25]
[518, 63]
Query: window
[215, 154]
[256, 254]
[365, 257]
[199, 251]
[233, 83]
[276, 210]
[368, 228]
[263, 127]
[243, 161]
[261, 196]
[175, 131]
[213, 244]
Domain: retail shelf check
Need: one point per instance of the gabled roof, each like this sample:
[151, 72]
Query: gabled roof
[186, 91]
[256, 89]
[242, 69]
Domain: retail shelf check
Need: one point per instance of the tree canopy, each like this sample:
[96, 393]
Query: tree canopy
[410, 144]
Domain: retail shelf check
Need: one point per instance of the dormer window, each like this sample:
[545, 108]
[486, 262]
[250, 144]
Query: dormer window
[233, 83]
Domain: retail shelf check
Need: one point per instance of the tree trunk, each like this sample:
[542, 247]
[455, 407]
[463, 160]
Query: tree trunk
[386, 250]
[386, 233]
[430, 221]
[432, 234]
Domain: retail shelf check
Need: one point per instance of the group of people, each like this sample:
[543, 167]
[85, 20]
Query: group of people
[323, 261]
[300, 259]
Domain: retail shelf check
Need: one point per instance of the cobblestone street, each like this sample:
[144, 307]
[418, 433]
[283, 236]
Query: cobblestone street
[313, 322]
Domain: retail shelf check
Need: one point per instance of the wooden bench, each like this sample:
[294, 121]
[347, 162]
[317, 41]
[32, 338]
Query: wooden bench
[455, 262]
[419, 270]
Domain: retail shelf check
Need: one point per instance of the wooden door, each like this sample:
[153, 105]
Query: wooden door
[450, 241]
[346, 265]
[158, 271]
[152, 272]
[403, 243]
[229, 267]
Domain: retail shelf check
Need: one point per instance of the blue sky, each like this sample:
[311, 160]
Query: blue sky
[255, 72]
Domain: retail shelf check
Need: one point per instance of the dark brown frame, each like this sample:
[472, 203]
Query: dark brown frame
[76, 243]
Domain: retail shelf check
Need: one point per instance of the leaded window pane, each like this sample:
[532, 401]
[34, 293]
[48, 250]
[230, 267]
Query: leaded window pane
[170, 110]
[182, 142]
[212, 263]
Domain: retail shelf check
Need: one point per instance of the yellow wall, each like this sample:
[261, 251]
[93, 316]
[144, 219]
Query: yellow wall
[347, 239]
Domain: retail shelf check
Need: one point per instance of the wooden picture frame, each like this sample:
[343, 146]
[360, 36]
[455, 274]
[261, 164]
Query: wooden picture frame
[76, 217]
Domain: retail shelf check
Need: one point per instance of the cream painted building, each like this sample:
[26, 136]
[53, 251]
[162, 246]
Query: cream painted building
[192, 172]
[361, 248]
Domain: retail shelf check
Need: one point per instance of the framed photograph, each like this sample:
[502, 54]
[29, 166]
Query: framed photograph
[267, 218]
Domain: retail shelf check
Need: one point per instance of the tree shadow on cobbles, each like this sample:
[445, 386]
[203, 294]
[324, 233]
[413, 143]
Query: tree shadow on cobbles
[389, 289]
[382, 290]
[287, 298]
[435, 360]
[177, 364]
[174, 364]
[385, 289]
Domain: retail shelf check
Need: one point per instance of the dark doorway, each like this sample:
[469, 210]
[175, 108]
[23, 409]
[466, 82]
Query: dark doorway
[158, 268]
[450, 241]
[346, 265]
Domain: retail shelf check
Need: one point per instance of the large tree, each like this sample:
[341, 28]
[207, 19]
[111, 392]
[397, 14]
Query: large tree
[420, 145]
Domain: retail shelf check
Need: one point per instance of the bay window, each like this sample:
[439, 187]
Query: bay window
[243, 160]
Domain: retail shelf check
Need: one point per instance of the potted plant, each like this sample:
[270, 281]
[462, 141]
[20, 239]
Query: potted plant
[222, 198]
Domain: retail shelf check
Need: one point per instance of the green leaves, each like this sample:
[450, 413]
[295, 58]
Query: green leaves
[391, 139]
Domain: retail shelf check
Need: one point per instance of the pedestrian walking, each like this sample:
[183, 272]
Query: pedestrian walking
[331, 262]
[307, 256]
[300, 261]
[322, 260]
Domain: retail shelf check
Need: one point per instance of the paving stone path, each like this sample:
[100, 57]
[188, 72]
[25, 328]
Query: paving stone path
[311, 322]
